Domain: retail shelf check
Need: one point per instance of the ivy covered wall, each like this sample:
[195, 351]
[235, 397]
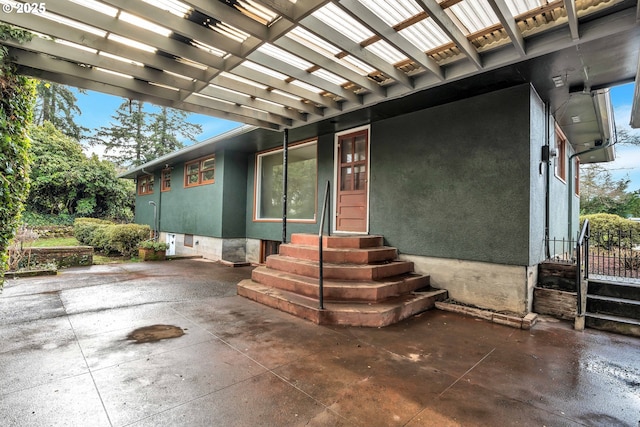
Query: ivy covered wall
[17, 99]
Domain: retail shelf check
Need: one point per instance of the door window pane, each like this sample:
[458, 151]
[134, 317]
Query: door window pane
[346, 179]
[361, 148]
[346, 148]
[359, 179]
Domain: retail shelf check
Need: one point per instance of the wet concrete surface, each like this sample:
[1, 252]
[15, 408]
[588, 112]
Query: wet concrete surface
[67, 357]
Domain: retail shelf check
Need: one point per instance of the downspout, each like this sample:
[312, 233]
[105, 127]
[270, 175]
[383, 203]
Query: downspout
[547, 207]
[156, 216]
[285, 172]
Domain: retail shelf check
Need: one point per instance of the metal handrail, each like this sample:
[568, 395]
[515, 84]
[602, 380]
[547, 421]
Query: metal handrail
[585, 234]
[326, 205]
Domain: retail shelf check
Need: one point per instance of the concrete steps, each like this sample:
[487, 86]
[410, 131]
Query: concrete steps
[340, 271]
[341, 290]
[364, 283]
[614, 307]
[380, 314]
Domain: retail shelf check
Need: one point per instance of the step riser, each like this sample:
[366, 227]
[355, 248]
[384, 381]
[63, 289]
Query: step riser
[612, 326]
[378, 321]
[412, 305]
[282, 305]
[341, 291]
[330, 255]
[616, 290]
[368, 272]
[614, 308]
[344, 242]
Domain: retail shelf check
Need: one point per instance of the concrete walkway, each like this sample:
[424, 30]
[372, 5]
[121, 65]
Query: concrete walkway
[65, 359]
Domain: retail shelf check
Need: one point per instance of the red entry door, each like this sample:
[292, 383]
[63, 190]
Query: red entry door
[352, 202]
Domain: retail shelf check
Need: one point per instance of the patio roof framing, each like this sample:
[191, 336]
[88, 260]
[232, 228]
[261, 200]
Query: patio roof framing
[190, 63]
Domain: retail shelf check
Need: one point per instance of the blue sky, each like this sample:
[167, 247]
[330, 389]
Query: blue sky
[627, 162]
[97, 109]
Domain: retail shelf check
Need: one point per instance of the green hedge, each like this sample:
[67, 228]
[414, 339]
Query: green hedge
[108, 237]
[609, 230]
[84, 229]
[125, 238]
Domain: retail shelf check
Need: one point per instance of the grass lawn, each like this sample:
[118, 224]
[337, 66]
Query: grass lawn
[101, 259]
[55, 241]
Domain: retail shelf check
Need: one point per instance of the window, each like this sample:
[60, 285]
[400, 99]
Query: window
[145, 185]
[301, 183]
[200, 172]
[166, 180]
[188, 240]
[561, 160]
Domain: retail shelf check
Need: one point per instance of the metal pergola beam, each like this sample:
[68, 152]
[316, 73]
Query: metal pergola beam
[509, 24]
[302, 75]
[322, 30]
[433, 9]
[572, 17]
[44, 26]
[362, 14]
[171, 98]
[133, 32]
[310, 55]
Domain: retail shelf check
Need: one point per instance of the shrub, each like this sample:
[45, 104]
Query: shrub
[125, 238]
[35, 219]
[84, 228]
[609, 230]
[108, 237]
[100, 238]
[152, 244]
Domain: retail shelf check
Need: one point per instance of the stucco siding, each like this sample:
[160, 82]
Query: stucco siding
[193, 210]
[234, 198]
[538, 179]
[453, 181]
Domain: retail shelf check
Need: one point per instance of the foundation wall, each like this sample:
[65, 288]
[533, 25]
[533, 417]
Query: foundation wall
[485, 285]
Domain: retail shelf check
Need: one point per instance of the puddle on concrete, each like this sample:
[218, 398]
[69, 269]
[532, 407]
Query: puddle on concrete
[155, 333]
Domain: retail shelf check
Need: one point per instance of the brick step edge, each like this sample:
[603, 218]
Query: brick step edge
[514, 321]
[345, 314]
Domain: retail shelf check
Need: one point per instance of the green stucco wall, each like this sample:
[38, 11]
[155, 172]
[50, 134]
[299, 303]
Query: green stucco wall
[462, 180]
[214, 210]
[453, 181]
[233, 172]
[193, 210]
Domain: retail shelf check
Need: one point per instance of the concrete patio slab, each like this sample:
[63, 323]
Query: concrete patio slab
[66, 360]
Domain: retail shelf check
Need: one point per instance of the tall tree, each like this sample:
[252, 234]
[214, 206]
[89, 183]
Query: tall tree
[600, 193]
[126, 140]
[57, 104]
[628, 137]
[168, 128]
[135, 136]
[65, 181]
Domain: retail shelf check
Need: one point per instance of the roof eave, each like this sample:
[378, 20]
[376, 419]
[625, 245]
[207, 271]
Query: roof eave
[206, 145]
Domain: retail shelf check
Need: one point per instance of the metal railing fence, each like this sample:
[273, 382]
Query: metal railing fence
[611, 253]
